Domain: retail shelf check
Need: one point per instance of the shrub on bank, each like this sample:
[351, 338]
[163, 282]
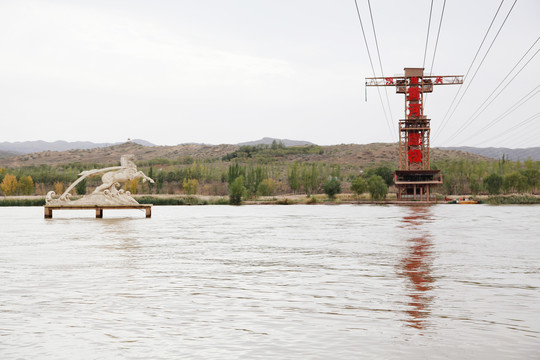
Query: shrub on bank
[332, 187]
[377, 187]
[188, 200]
[512, 200]
[22, 202]
[237, 190]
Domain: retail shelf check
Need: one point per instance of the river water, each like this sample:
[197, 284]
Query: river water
[271, 282]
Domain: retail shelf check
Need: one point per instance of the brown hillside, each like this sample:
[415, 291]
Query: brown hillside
[112, 154]
[350, 154]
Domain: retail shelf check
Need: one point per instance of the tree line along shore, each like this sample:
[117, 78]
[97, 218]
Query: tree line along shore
[291, 199]
[278, 174]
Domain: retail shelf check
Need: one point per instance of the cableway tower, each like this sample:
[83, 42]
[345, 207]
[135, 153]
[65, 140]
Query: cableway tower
[415, 179]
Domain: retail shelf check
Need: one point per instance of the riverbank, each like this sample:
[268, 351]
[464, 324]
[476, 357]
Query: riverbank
[291, 199]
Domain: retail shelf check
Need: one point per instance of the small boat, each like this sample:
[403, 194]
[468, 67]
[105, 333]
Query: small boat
[461, 201]
[467, 202]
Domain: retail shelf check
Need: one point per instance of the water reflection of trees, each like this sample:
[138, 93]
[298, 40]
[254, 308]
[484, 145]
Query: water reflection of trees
[416, 265]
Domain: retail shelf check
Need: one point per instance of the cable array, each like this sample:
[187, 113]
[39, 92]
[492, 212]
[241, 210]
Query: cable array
[532, 139]
[437, 42]
[462, 91]
[512, 129]
[372, 67]
[427, 36]
[479, 110]
[380, 62]
[511, 109]
[446, 118]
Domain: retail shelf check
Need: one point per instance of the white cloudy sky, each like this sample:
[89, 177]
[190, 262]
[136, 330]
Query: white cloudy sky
[226, 71]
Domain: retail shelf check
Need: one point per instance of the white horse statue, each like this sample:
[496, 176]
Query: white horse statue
[111, 177]
[127, 171]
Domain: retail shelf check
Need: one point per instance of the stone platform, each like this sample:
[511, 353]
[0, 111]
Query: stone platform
[99, 209]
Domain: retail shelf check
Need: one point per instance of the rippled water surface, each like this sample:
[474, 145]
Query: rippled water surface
[271, 282]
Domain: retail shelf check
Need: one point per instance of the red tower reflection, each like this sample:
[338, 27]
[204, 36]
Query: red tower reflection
[416, 266]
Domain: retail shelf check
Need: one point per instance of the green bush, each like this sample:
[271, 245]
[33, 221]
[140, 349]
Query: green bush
[514, 182]
[332, 187]
[220, 201]
[359, 186]
[384, 172]
[284, 202]
[267, 187]
[22, 202]
[493, 184]
[377, 187]
[236, 191]
[512, 200]
[188, 200]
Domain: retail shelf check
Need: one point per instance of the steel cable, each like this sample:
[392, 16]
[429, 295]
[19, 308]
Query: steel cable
[445, 119]
[373, 68]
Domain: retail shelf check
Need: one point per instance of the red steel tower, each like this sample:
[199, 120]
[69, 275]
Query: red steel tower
[414, 179]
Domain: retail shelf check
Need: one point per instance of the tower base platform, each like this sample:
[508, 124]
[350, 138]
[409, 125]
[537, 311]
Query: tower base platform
[417, 185]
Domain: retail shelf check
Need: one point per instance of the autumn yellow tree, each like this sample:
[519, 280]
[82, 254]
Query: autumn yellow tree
[267, 187]
[26, 185]
[9, 185]
[58, 187]
[191, 186]
[132, 186]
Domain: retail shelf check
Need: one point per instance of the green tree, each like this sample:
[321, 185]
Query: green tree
[310, 178]
[275, 145]
[335, 171]
[80, 188]
[26, 185]
[503, 165]
[255, 175]
[293, 175]
[235, 171]
[159, 181]
[532, 178]
[384, 172]
[377, 187]
[514, 182]
[358, 185]
[332, 187]
[493, 183]
[236, 191]
[475, 186]
[449, 183]
[9, 185]
[267, 187]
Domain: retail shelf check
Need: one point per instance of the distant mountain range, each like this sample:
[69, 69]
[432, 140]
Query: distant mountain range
[497, 153]
[28, 147]
[269, 141]
[8, 149]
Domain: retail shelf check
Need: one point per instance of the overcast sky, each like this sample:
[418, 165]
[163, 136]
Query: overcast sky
[227, 71]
